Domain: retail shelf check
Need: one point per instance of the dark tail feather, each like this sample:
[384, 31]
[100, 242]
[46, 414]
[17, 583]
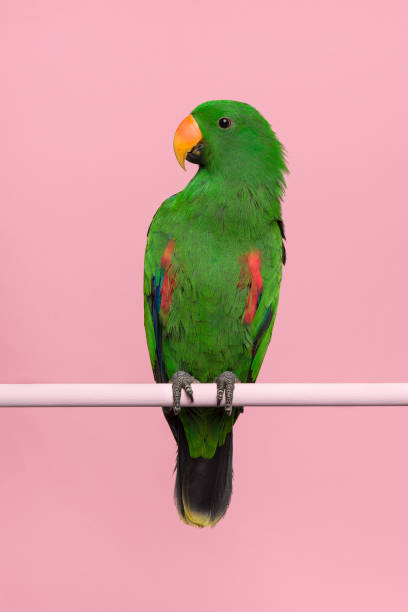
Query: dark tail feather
[203, 486]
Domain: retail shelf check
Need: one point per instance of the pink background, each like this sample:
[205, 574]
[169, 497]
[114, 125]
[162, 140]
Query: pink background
[91, 94]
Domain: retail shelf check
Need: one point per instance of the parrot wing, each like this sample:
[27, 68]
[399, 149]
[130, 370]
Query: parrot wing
[159, 282]
[155, 278]
[263, 319]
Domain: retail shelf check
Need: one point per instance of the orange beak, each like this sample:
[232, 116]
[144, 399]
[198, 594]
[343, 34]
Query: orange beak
[187, 135]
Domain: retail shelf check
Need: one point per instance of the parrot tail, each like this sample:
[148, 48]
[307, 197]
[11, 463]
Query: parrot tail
[203, 486]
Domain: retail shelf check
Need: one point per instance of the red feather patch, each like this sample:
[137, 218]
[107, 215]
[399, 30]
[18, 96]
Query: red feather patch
[250, 275]
[169, 280]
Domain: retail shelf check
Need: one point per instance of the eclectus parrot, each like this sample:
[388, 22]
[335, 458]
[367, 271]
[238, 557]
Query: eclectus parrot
[213, 268]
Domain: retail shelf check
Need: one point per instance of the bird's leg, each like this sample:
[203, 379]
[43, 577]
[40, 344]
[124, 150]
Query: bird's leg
[181, 380]
[225, 384]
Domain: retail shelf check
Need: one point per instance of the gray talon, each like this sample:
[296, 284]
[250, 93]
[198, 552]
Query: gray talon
[181, 380]
[226, 383]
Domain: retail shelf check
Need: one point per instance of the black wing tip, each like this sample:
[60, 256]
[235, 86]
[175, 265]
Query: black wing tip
[281, 226]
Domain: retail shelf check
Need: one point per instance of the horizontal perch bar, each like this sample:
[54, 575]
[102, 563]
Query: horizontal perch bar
[259, 394]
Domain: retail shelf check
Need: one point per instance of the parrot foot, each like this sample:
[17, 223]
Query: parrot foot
[225, 384]
[181, 380]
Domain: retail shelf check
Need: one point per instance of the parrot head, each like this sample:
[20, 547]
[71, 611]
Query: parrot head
[228, 137]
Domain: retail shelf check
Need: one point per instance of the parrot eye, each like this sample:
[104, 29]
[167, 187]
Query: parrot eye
[224, 123]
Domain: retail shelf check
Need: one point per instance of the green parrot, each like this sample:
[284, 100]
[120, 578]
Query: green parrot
[213, 268]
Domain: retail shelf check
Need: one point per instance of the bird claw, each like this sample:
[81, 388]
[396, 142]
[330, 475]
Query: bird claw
[225, 384]
[181, 380]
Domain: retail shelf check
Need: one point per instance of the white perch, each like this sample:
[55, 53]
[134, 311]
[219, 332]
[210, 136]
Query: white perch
[259, 394]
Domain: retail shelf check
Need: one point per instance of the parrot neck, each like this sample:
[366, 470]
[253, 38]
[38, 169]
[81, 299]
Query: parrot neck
[241, 194]
[260, 188]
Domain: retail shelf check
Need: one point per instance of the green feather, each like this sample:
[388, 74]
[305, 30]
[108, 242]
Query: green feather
[229, 208]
